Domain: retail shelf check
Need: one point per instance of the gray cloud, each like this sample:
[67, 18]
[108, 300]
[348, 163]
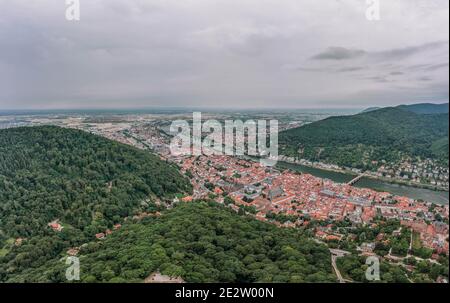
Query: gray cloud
[351, 69]
[342, 53]
[436, 66]
[332, 69]
[404, 52]
[379, 79]
[339, 53]
[224, 53]
[424, 79]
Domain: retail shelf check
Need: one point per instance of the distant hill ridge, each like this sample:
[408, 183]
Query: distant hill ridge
[420, 108]
[370, 109]
[381, 134]
[426, 108]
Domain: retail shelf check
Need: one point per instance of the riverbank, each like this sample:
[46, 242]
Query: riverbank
[382, 179]
[417, 193]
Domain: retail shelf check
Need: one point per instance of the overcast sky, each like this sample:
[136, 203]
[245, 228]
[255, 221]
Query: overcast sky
[223, 53]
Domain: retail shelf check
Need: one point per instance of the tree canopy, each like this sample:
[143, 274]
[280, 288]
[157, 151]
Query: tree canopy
[383, 134]
[85, 182]
[200, 242]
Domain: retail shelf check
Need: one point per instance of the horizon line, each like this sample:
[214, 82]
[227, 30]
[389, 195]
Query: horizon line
[206, 107]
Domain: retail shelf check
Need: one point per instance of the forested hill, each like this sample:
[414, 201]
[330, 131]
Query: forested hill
[420, 108]
[86, 182]
[90, 183]
[383, 134]
[199, 242]
[426, 108]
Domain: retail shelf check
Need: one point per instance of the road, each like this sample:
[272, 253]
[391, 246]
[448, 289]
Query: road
[337, 253]
[336, 270]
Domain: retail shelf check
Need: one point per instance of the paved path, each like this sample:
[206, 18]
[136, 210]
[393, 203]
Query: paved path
[336, 270]
[337, 253]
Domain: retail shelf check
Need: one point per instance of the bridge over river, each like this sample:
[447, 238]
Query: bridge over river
[353, 181]
[439, 197]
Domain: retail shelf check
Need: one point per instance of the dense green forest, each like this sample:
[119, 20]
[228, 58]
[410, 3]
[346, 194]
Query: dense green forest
[86, 182]
[381, 134]
[201, 242]
[426, 108]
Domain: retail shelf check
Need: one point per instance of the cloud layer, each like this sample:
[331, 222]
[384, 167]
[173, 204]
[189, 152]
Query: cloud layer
[222, 53]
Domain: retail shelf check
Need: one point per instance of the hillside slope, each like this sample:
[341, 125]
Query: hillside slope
[84, 182]
[49, 172]
[383, 134]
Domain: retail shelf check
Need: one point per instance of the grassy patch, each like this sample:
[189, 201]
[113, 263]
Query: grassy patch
[5, 250]
[416, 243]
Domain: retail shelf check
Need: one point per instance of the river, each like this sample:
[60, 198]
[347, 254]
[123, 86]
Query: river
[438, 197]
